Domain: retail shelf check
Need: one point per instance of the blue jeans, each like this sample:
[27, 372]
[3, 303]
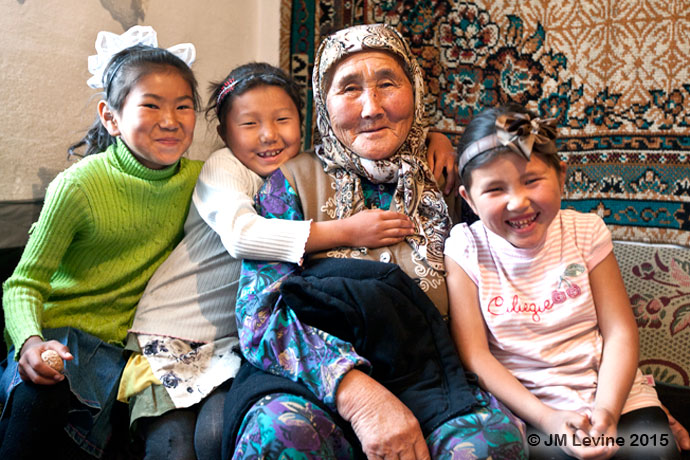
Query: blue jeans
[93, 377]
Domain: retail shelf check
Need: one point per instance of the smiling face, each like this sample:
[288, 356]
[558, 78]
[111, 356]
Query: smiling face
[370, 104]
[157, 119]
[515, 198]
[262, 128]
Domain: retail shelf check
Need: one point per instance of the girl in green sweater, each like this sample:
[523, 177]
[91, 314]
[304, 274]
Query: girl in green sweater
[107, 223]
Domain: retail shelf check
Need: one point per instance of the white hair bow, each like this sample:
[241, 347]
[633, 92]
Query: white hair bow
[108, 44]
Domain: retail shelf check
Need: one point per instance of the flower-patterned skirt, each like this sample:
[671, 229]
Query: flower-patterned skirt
[190, 371]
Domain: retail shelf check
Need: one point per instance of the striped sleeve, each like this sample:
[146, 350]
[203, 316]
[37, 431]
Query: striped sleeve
[461, 246]
[592, 237]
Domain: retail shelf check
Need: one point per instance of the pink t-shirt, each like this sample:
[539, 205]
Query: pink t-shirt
[538, 308]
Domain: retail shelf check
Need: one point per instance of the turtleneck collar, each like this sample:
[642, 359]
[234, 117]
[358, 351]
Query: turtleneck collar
[124, 160]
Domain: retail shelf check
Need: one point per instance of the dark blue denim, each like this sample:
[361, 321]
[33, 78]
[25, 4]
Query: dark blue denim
[93, 376]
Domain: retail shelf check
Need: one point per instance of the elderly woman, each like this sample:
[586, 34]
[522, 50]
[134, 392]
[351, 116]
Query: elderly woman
[350, 356]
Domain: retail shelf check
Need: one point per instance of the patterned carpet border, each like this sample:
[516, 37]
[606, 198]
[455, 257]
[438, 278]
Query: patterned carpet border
[614, 73]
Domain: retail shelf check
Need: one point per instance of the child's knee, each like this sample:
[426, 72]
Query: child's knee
[169, 436]
[41, 400]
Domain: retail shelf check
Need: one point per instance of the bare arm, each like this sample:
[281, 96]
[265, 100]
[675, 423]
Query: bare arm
[443, 161]
[371, 228]
[469, 333]
[621, 344]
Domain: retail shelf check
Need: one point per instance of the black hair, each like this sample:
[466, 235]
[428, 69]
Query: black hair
[484, 125]
[246, 77]
[122, 73]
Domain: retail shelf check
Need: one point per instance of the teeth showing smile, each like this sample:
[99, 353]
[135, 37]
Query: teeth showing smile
[522, 223]
[269, 154]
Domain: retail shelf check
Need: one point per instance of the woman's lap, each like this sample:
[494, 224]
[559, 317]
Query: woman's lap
[284, 424]
[489, 431]
[289, 426]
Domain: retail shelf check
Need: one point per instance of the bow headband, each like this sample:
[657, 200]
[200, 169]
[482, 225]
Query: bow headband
[520, 133]
[109, 44]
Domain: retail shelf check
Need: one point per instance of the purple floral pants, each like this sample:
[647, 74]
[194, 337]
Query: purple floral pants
[283, 426]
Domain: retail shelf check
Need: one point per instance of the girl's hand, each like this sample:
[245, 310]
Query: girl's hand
[443, 161]
[575, 426]
[375, 228]
[386, 428]
[31, 365]
[604, 424]
[679, 432]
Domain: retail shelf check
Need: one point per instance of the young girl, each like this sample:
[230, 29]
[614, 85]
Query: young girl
[538, 306]
[107, 223]
[185, 323]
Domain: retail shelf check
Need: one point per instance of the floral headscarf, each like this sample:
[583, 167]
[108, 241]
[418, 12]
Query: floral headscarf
[416, 194]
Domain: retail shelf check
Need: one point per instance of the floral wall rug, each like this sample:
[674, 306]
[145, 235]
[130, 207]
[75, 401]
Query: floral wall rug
[615, 74]
[657, 278]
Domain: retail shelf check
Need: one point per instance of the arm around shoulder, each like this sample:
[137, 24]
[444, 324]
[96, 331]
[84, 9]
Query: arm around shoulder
[224, 198]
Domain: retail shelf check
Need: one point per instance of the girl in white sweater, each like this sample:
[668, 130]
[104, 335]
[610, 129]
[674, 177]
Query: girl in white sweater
[184, 329]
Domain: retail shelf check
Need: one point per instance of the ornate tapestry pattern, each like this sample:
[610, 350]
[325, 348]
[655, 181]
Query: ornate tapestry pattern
[615, 73]
[657, 278]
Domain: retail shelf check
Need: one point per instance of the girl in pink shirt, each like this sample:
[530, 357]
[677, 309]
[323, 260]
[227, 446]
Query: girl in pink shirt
[537, 303]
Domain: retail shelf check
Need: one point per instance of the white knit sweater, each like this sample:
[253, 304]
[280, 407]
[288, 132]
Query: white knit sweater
[192, 295]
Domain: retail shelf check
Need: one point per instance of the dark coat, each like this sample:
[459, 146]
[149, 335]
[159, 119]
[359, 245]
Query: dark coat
[389, 320]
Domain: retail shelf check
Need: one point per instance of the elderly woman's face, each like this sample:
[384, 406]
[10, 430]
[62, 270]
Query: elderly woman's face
[370, 104]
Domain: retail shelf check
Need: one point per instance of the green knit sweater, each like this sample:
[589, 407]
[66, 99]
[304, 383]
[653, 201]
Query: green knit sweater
[107, 223]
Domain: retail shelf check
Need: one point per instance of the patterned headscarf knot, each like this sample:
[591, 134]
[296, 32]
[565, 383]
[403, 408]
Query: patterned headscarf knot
[520, 133]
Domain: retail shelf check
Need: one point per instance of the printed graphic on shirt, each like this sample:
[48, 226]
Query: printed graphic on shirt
[566, 288]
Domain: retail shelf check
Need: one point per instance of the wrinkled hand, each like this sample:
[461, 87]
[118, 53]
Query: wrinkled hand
[386, 428]
[443, 162]
[571, 423]
[31, 366]
[679, 432]
[374, 228]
